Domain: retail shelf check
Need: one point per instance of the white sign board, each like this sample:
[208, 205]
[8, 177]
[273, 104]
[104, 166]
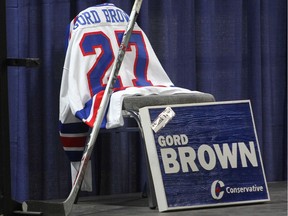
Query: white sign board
[204, 155]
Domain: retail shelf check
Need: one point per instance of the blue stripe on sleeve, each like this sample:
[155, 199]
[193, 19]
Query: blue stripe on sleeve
[73, 128]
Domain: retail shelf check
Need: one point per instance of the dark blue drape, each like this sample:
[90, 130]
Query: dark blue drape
[232, 49]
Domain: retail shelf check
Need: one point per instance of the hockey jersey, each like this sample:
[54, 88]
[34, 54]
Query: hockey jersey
[92, 46]
[93, 41]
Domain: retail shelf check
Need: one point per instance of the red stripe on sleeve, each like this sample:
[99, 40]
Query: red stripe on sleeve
[96, 108]
[73, 141]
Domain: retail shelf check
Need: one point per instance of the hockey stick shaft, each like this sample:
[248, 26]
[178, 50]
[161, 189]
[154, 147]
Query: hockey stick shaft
[68, 203]
[64, 208]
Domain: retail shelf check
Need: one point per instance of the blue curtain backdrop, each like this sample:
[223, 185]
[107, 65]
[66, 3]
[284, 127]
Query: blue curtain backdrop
[232, 49]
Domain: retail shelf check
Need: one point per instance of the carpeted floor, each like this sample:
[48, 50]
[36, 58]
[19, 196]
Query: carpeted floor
[134, 204]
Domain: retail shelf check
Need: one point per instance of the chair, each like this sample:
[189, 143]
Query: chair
[85, 59]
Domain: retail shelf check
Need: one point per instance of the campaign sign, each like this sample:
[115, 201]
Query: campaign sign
[204, 155]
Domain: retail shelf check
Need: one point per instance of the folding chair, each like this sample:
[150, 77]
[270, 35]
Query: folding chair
[86, 72]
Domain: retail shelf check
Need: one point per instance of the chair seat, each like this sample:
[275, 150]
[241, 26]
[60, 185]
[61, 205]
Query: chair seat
[134, 103]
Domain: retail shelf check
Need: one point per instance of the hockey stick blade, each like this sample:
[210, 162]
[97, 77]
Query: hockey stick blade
[44, 208]
[64, 208]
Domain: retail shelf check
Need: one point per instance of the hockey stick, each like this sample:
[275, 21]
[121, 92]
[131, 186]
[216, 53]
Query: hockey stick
[64, 208]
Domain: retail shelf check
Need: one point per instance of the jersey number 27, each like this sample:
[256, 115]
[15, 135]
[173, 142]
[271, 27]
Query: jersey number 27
[96, 75]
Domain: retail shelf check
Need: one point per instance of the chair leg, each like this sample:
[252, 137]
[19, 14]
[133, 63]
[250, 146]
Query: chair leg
[150, 189]
[152, 201]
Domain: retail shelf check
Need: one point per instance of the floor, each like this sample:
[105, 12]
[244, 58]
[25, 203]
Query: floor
[134, 204]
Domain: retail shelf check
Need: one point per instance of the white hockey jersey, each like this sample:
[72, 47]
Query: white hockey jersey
[93, 43]
[92, 46]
